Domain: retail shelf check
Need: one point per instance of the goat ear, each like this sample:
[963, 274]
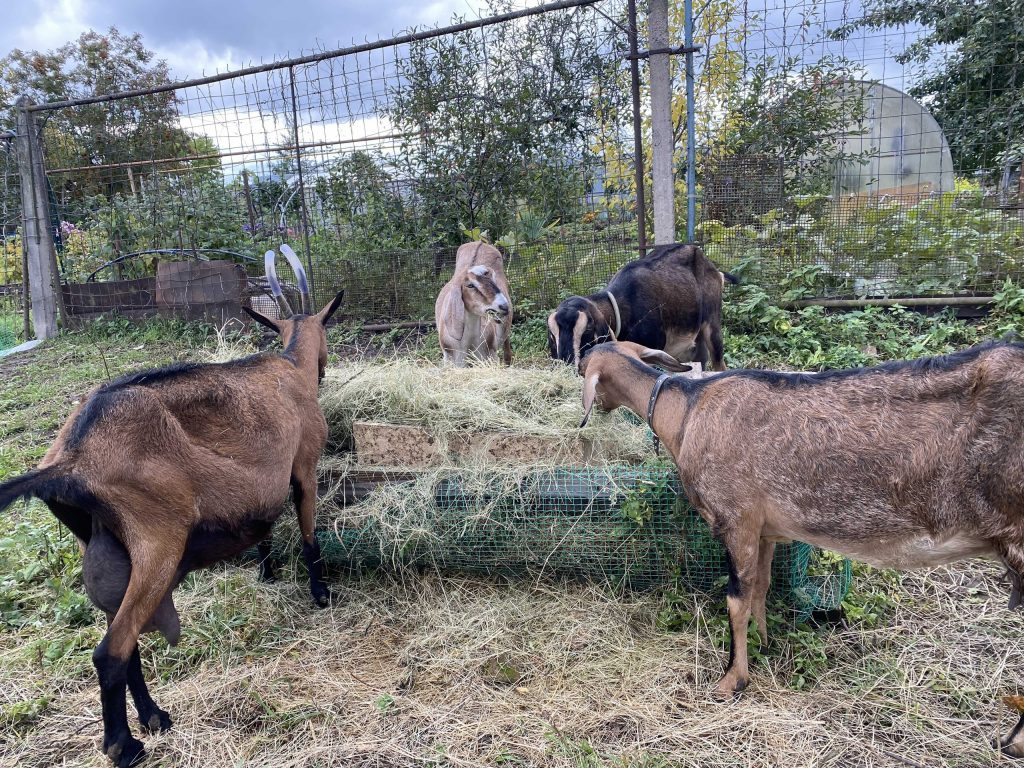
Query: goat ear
[589, 397]
[664, 360]
[455, 313]
[601, 328]
[325, 314]
[262, 320]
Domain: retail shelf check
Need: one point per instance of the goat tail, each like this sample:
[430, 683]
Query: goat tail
[67, 495]
[730, 278]
[25, 486]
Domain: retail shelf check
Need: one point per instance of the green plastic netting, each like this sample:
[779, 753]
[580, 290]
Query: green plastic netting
[8, 333]
[626, 526]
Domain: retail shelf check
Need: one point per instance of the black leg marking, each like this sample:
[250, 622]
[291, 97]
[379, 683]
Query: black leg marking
[267, 564]
[733, 589]
[118, 743]
[311, 554]
[315, 565]
[717, 346]
[1016, 588]
[732, 645]
[1004, 744]
[152, 718]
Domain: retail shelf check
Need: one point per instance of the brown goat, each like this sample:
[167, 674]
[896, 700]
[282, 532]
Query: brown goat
[902, 465]
[473, 310]
[671, 299]
[166, 471]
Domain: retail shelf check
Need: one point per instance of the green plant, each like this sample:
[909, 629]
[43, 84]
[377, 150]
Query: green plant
[948, 243]
[759, 333]
[385, 703]
[1007, 315]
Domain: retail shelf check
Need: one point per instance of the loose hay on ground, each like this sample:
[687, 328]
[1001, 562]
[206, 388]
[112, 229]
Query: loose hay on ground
[426, 670]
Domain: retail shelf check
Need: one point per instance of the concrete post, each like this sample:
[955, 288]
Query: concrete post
[36, 235]
[663, 141]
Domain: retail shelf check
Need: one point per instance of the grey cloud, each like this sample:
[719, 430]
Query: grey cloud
[247, 32]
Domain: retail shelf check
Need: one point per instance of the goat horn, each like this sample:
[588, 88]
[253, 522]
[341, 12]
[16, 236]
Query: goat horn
[300, 275]
[275, 287]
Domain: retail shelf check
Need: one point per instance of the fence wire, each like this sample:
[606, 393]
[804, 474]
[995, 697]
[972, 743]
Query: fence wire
[830, 163]
[11, 292]
[630, 527]
[843, 158]
[373, 164]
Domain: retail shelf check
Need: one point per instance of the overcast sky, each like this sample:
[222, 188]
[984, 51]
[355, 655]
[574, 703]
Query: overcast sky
[204, 36]
[197, 36]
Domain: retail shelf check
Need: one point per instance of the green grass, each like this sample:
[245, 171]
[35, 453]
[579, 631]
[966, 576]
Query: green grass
[392, 673]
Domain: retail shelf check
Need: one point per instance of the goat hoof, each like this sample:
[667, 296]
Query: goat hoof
[157, 722]
[268, 572]
[323, 597]
[125, 752]
[1008, 749]
[727, 690]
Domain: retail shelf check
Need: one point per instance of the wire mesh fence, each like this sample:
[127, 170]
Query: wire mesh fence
[375, 163]
[840, 152]
[626, 527]
[861, 150]
[11, 301]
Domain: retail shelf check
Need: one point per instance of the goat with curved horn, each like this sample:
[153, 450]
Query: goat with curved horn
[300, 275]
[168, 471]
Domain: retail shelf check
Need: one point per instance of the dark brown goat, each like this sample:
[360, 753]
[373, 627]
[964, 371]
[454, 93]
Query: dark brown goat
[166, 471]
[671, 299]
[902, 465]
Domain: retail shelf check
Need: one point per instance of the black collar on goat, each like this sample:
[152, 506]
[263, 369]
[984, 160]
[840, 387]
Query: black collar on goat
[670, 299]
[172, 470]
[928, 450]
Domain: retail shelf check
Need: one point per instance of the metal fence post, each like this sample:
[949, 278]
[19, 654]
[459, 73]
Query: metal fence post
[302, 185]
[662, 138]
[691, 125]
[37, 238]
[638, 136]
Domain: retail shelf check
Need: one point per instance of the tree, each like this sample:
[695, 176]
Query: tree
[970, 73]
[143, 127]
[790, 118]
[500, 118]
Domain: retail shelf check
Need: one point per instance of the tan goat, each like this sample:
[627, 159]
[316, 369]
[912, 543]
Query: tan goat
[473, 310]
[902, 465]
[166, 471]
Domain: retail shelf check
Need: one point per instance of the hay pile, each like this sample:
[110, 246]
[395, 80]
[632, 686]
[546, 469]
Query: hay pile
[478, 514]
[448, 402]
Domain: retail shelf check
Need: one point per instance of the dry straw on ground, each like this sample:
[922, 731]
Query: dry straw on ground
[425, 670]
[445, 671]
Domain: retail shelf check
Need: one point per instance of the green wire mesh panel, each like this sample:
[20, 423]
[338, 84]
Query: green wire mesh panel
[8, 331]
[627, 526]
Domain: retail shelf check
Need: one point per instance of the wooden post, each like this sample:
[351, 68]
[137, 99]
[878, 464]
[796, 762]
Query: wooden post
[662, 137]
[39, 249]
[248, 204]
